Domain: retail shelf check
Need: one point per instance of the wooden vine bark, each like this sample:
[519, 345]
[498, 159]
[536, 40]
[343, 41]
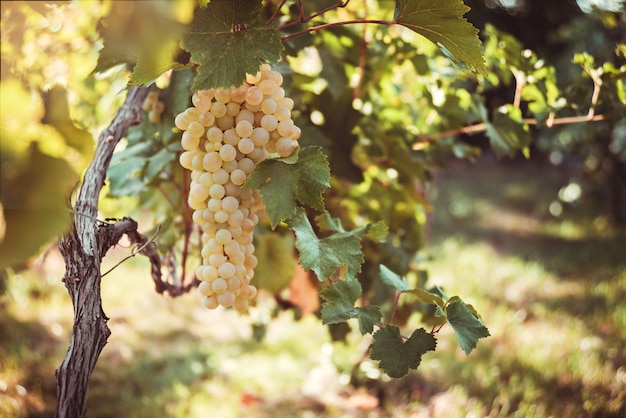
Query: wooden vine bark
[83, 249]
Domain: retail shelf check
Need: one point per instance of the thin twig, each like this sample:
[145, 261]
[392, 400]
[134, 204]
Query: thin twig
[482, 127]
[302, 19]
[334, 24]
[395, 306]
[93, 218]
[520, 82]
[136, 250]
[275, 14]
[362, 58]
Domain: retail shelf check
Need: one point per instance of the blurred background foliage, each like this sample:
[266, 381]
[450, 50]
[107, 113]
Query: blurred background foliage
[378, 99]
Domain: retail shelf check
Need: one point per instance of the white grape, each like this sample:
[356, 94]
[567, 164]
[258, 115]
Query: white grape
[254, 96]
[221, 176]
[230, 204]
[245, 145]
[211, 162]
[225, 122]
[221, 216]
[268, 106]
[285, 147]
[225, 134]
[269, 122]
[227, 271]
[210, 302]
[223, 236]
[222, 95]
[218, 109]
[267, 87]
[228, 153]
[217, 191]
[217, 259]
[205, 289]
[226, 299]
[244, 128]
[219, 285]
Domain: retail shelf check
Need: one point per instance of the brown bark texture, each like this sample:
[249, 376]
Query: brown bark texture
[83, 249]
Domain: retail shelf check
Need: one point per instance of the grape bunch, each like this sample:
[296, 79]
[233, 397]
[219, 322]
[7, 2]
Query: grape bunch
[226, 133]
[153, 106]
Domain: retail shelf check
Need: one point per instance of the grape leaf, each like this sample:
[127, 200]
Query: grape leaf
[507, 131]
[397, 356]
[324, 256]
[145, 35]
[442, 22]
[283, 182]
[228, 39]
[35, 187]
[466, 325]
[376, 232]
[392, 279]
[276, 262]
[339, 306]
[58, 115]
[399, 283]
[425, 296]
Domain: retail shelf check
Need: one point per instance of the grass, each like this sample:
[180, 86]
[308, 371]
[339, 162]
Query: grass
[551, 290]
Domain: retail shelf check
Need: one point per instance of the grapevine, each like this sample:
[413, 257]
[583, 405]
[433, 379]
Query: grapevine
[226, 133]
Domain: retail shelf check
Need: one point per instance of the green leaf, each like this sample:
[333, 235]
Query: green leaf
[507, 131]
[378, 231]
[425, 296]
[229, 39]
[327, 223]
[325, 256]
[392, 279]
[283, 183]
[442, 22]
[340, 298]
[35, 195]
[398, 356]
[368, 317]
[58, 115]
[157, 164]
[277, 264]
[145, 35]
[126, 177]
[466, 325]
[339, 305]
[337, 133]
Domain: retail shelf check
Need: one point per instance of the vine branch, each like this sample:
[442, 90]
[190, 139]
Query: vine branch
[83, 249]
[550, 121]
